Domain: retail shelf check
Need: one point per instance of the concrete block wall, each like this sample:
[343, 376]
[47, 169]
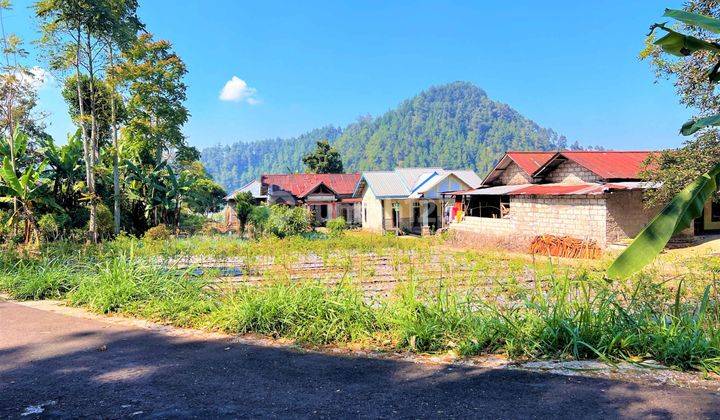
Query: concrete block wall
[582, 217]
[570, 172]
[513, 175]
[626, 215]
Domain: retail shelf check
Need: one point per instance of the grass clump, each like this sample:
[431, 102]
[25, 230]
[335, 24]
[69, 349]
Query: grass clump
[307, 311]
[31, 280]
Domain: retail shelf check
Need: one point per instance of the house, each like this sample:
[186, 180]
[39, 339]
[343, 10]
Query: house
[229, 213]
[409, 199]
[327, 196]
[589, 195]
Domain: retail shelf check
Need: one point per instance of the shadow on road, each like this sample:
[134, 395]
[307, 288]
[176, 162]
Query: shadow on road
[115, 372]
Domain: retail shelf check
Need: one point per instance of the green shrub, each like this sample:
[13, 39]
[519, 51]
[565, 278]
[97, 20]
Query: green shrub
[104, 220]
[159, 232]
[49, 227]
[288, 221]
[192, 223]
[336, 227]
[258, 220]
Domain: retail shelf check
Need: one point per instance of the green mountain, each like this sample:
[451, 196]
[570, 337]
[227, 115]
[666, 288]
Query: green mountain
[454, 126]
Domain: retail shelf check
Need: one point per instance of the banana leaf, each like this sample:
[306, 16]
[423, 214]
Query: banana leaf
[683, 45]
[705, 22]
[677, 215]
[692, 126]
[8, 175]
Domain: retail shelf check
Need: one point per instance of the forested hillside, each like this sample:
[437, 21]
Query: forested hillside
[454, 126]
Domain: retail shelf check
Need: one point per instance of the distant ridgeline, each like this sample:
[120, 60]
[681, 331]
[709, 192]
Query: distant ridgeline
[454, 126]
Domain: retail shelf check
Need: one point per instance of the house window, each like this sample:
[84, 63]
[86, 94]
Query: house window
[364, 213]
[715, 212]
[324, 212]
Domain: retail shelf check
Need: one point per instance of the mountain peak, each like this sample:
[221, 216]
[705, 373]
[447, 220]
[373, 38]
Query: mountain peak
[455, 125]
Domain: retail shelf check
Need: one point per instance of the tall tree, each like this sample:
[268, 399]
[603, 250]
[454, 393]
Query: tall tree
[75, 34]
[324, 159]
[157, 93]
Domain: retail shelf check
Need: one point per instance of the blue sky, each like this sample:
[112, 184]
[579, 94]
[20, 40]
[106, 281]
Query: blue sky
[571, 66]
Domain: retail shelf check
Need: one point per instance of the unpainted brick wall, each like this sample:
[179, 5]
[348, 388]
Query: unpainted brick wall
[513, 175]
[570, 172]
[582, 217]
[626, 215]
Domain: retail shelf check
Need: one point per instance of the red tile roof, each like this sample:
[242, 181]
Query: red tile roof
[300, 185]
[611, 164]
[530, 161]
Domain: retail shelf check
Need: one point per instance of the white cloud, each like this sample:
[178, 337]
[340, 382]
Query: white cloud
[237, 90]
[35, 78]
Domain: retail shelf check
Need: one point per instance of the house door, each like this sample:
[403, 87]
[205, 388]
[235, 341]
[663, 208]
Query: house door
[711, 216]
[416, 217]
[396, 215]
[433, 216]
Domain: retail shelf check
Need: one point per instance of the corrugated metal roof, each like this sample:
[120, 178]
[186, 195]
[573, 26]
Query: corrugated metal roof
[413, 177]
[580, 189]
[469, 177]
[385, 184]
[396, 183]
[253, 187]
[498, 190]
[530, 161]
[299, 184]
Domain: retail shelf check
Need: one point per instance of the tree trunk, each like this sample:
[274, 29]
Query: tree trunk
[94, 149]
[116, 151]
[86, 141]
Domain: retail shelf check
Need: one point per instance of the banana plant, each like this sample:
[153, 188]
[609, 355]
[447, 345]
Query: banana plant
[65, 168]
[28, 190]
[688, 204]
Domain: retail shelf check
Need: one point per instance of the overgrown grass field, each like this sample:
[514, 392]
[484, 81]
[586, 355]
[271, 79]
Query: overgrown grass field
[514, 304]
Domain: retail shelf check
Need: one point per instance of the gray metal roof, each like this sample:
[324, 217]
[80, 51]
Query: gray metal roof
[469, 177]
[253, 187]
[406, 182]
[385, 184]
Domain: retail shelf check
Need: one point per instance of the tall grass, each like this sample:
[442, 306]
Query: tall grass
[570, 312]
[307, 311]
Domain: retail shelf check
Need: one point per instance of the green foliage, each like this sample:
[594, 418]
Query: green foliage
[258, 218]
[98, 97]
[155, 108]
[104, 221]
[192, 223]
[205, 195]
[244, 204]
[336, 226]
[687, 204]
[454, 126]
[49, 227]
[323, 160]
[159, 232]
[288, 221]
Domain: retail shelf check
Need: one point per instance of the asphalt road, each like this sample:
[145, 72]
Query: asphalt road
[54, 365]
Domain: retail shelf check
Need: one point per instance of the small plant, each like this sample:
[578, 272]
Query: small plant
[336, 227]
[159, 232]
[49, 227]
[288, 221]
